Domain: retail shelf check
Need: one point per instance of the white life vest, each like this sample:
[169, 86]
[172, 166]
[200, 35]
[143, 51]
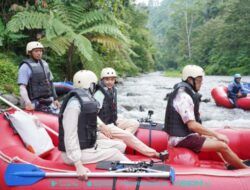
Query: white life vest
[34, 136]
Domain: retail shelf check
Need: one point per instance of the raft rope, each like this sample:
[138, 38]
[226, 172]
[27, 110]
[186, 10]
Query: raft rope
[9, 160]
[234, 173]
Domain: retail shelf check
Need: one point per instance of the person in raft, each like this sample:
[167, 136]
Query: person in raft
[78, 137]
[236, 90]
[35, 81]
[112, 126]
[183, 123]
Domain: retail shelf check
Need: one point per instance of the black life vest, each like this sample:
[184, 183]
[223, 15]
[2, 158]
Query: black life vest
[87, 120]
[39, 85]
[174, 125]
[108, 112]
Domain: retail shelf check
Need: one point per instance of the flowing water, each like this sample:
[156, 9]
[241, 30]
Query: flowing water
[148, 92]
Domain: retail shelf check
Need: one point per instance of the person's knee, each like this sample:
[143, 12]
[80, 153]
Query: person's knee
[128, 134]
[136, 124]
[133, 123]
[223, 147]
[121, 146]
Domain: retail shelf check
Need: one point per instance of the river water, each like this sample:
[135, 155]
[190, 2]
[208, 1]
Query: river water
[148, 91]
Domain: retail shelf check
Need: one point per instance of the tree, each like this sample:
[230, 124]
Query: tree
[68, 27]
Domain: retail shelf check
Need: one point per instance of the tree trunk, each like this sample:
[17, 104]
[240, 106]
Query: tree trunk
[188, 31]
[70, 63]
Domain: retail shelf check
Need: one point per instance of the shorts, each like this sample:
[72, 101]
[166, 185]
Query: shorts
[193, 142]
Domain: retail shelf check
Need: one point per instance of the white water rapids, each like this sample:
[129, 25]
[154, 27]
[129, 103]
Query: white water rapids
[149, 91]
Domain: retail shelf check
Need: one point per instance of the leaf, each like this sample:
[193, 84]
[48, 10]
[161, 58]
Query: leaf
[29, 20]
[83, 46]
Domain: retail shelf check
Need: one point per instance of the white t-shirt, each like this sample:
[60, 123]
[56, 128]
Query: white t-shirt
[184, 105]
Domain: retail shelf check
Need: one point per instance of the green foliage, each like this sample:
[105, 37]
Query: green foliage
[172, 73]
[80, 34]
[69, 29]
[8, 70]
[29, 20]
[10, 37]
[141, 40]
[218, 36]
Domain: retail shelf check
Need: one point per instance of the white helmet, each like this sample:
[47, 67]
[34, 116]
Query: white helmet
[192, 71]
[33, 45]
[84, 79]
[108, 72]
[237, 76]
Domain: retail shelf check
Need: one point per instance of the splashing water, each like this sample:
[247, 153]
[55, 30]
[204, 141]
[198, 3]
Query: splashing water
[148, 92]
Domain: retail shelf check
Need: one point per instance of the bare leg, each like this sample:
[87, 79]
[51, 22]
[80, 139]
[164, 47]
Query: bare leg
[228, 155]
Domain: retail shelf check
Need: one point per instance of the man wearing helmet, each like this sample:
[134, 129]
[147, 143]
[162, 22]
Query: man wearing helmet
[78, 137]
[35, 80]
[107, 97]
[112, 126]
[236, 90]
[182, 119]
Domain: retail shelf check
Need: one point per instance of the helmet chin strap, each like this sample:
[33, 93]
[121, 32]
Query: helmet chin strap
[194, 85]
[92, 88]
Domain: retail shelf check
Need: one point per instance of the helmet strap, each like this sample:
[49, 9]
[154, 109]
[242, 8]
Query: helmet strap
[92, 88]
[194, 85]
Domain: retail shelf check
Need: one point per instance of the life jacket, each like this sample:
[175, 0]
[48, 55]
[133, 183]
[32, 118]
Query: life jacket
[39, 85]
[87, 120]
[174, 125]
[236, 87]
[108, 112]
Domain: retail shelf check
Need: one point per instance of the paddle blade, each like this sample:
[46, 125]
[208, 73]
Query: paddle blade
[22, 174]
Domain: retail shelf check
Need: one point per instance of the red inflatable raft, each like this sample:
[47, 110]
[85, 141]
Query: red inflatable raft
[219, 95]
[193, 171]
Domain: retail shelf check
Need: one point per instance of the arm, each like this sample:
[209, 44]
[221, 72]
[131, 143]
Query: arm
[198, 128]
[25, 97]
[104, 128]
[230, 90]
[244, 90]
[24, 74]
[99, 96]
[230, 86]
[56, 102]
[183, 104]
[73, 151]
[50, 77]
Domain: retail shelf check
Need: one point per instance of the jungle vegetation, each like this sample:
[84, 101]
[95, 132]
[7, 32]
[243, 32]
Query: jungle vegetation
[132, 38]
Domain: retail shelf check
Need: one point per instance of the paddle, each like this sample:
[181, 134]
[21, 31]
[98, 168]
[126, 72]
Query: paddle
[28, 174]
[36, 121]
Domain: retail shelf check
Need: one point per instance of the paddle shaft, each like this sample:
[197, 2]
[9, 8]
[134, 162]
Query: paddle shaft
[92, 174]
[17, 108]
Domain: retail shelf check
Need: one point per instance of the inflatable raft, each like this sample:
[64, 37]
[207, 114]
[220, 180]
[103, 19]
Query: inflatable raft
[193, 171]
[219, 95]
[62, 88]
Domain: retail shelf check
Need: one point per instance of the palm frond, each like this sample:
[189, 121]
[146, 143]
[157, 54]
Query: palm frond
[108, 42]
[57, 28]
[105, 29]
[83, 46]
[58, 44]
[92, 17]
[70, 15]
[29, 20]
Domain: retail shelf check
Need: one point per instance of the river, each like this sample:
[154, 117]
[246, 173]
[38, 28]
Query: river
[149, 90]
